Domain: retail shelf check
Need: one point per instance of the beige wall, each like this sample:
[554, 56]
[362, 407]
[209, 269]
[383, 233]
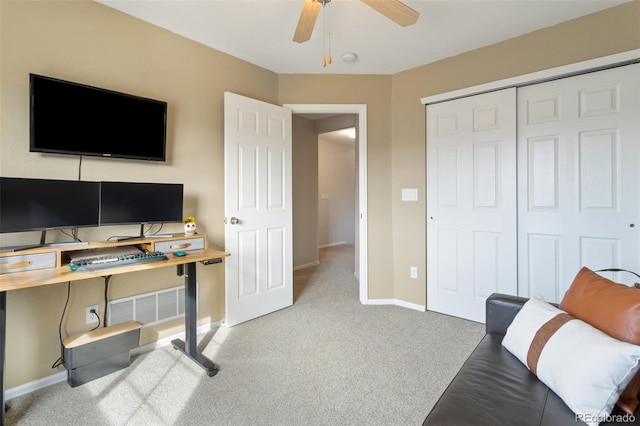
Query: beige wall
[90, 43]
[305, 192]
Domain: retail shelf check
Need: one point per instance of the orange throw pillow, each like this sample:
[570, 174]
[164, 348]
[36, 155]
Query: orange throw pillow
[629, 399]
[612, 308]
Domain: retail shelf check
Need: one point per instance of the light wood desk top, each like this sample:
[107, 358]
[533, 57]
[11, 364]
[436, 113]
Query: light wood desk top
[62, 273]
[26, 279]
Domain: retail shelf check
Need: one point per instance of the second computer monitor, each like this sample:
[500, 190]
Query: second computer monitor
[123, 203]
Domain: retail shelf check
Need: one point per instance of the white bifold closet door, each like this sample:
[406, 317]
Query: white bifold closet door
[573, 147]
[578, 179]
[471, 202]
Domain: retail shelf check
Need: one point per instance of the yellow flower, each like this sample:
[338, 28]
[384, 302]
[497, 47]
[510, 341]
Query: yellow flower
[189, 219]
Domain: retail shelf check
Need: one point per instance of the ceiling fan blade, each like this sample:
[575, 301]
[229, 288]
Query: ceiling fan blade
[307, 21]
[395, 10]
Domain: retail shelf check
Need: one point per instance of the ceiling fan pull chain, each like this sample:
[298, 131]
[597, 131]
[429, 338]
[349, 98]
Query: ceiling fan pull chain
[324, 34]
[329, 34]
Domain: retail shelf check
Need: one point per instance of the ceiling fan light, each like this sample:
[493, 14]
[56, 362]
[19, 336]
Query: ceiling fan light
[349, 57]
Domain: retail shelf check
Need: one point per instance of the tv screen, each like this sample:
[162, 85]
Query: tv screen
[42, 204]
[124, 203]
[72, 118]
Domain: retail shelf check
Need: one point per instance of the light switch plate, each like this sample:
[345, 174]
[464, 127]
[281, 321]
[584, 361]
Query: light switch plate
[409, 194]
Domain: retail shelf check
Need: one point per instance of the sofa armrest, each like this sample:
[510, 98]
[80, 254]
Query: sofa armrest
[501, 310]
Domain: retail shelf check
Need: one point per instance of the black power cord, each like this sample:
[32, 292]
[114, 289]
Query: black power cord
[107, 279]
[60, 361]
[93, 311]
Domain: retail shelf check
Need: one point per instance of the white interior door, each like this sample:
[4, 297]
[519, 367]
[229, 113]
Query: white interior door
[471, 202]
[579, 174]
[258, 212]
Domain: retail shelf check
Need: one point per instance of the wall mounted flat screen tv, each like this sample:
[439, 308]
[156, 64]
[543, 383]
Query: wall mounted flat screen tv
[73, 118]
[125, 203]
[43, 204]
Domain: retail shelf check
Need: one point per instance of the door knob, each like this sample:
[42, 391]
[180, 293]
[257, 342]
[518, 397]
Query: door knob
[234, 221]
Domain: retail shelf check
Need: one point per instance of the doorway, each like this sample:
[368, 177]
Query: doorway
[360, 114]
[337, 188]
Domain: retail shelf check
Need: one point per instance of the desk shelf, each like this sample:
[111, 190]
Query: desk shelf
[58, 272]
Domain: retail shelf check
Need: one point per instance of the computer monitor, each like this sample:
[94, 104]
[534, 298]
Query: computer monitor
[46, 204]
[125, 203]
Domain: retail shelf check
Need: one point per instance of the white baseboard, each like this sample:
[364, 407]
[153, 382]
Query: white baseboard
[339, 243]
[306, 265]
[62, 375]
[397, 302]
[35, 385]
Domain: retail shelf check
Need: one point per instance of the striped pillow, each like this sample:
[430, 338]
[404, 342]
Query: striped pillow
[585, 367]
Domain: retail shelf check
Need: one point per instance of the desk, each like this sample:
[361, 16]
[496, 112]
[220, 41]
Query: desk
[59, 273]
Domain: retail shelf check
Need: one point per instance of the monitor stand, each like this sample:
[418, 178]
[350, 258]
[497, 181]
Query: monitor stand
[143, 236]
[43, 239]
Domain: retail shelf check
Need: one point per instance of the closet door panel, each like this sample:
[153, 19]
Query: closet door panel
[471, 202]
[578, 175]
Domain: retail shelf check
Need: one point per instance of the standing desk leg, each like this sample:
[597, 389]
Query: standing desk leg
[3, 347]
[189, 347]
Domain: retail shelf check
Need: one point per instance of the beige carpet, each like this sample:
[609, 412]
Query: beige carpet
[327, 360]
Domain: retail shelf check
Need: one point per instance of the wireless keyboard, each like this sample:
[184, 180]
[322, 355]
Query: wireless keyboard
[114, 260]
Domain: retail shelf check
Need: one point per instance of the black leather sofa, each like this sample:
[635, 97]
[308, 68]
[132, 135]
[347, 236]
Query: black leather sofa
[494, 388]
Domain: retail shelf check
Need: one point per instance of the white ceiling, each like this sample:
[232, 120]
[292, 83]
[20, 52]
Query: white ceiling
[261, 31]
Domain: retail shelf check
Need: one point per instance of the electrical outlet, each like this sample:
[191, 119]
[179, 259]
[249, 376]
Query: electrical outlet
[89, 316]
[413, 272]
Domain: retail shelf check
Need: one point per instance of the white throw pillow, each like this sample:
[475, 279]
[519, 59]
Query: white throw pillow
[585, 367]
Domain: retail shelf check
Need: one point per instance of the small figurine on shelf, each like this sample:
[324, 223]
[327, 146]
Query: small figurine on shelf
[189, 225]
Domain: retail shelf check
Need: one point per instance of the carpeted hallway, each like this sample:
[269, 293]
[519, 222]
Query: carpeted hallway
[327, 360]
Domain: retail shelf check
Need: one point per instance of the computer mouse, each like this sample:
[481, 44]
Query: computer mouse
[179, 253]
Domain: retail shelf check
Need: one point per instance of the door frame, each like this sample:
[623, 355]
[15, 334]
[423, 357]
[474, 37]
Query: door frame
[361, 111]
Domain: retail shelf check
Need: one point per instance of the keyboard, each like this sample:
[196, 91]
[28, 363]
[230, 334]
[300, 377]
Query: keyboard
[89, 261]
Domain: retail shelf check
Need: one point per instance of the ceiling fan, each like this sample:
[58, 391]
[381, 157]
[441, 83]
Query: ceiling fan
[395, 10]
